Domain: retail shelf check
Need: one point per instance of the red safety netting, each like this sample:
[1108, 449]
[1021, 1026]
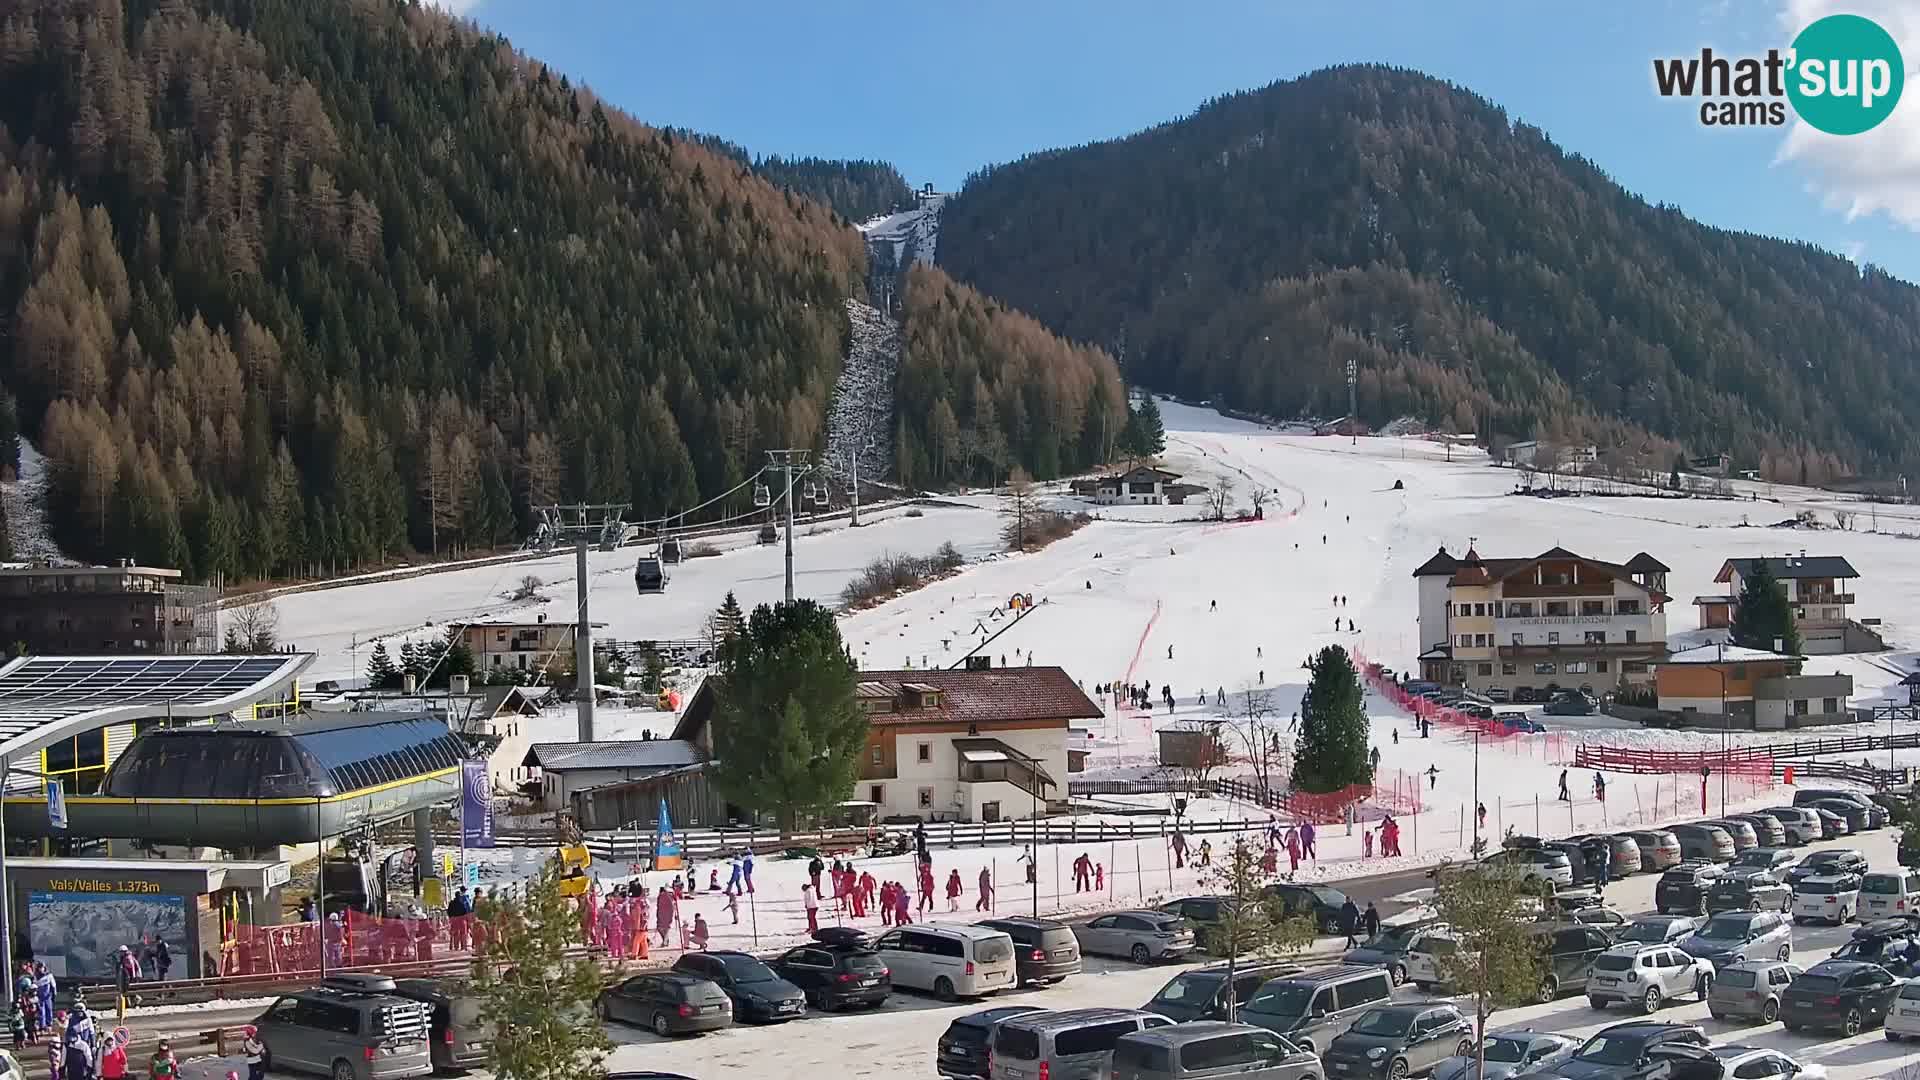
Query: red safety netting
[354, 940]
[1506, 737]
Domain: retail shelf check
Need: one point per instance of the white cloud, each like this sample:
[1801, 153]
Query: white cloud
[1877, 172]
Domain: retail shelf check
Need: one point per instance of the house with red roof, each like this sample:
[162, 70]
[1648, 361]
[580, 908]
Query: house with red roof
[1529, 626]
[972, 744]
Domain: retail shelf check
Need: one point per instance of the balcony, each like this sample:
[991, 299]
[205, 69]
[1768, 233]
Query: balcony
[1813, 598]
[984, 761]
[1628, 649]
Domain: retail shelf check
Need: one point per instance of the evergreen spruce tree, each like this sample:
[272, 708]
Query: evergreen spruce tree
[411, 661]
[1152, 434]
[381, 674]
[536, 996]
[726, 621]
[1764, 615]
[1332, 749]
[787, 732]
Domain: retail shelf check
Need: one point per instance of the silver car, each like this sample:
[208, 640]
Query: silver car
[352, 1027]
[1140, 936]
[1507, 1053]
[1646, 975]
[1750, 989]
[1399, 1040]
[1203, 1049]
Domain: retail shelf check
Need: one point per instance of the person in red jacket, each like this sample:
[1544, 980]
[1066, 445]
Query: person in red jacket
[954, 889]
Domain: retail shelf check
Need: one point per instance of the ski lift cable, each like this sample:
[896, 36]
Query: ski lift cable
[657, 523]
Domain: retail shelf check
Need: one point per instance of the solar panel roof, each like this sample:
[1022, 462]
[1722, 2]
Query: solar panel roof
[46, 698]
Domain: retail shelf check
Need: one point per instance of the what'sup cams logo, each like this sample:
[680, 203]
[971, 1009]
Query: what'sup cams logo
[1843, 75]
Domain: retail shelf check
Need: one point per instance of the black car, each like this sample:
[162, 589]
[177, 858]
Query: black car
[1830, 861]
[1201, 994]
[1044, 950]
[1847, 995]
[1908, 851]
[457, 1037]
[1388, 948]
[1626, 1047]
[1877, 815]
[1320, 901]
[1682, 890]
[758, 992]
[1748, 890]
[1894, 944]
[1581, 856]
[670, 1003]
[962, 1051]
[1859, 818]
[1831, 824]
[836, 976]
[1203, 914]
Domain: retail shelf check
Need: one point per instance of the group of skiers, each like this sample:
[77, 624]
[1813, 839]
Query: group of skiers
[1599, 787]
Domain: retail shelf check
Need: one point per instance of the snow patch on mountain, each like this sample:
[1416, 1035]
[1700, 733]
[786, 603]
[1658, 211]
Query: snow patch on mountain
[861, 416]
[26, 501]
[894, 241]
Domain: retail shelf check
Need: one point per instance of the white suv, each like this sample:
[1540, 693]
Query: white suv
[1646, 975]
[1833, 898]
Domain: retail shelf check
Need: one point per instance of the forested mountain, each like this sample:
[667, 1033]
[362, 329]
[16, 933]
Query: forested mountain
[983, 388]
[856, 190]
[1478, 275]
[291, 286]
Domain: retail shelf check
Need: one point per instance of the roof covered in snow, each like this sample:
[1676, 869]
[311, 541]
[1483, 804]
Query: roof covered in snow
[1792, 566]
[1724, 654]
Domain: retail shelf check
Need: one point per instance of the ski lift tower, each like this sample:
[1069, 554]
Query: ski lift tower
[584, 525]
[791, 465]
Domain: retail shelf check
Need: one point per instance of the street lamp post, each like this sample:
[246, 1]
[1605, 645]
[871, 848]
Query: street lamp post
[1720, 668]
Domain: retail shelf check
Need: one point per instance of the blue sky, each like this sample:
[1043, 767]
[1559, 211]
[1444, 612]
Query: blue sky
[940, 90]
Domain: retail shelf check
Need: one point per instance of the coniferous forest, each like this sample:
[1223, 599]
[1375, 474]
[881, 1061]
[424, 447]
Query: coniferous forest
[296, 286]
[1480, 277]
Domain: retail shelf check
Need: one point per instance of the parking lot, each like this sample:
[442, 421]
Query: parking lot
[897, 1039]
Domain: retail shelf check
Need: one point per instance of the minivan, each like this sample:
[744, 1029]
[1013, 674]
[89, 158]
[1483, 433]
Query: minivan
[1310, 1008]
[1044, 950]
[1210, 1048]
[949, 961]
[1704, 841]
[1202, 993]
[962, 1052]
[352, 1027]
[458, 1037]
[1884, 895]
[1075, 1044]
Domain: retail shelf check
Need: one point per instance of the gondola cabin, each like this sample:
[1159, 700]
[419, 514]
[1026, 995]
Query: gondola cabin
[769, 534]
[670, 551]
[650, 575]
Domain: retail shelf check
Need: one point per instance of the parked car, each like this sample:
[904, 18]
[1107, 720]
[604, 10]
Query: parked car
[1745, 837]
[1702, 841]
[1885, 895]
[950, 961]
[1656, 930]
[1844, 994]
[1763, 1063]
[457, 1037]
[1659, 849]
[1323, 902]
[1571, 952]
[1624, 1046]
[1208, 1049]
[1733, 936]
[1877, 816]
[1833, 898]
[1044, 950]
[1894, 944]
[1859, 817]
[1202, 993]
[1203, 914]
[1832, 825]
[836, 976]
[1541, 865]
[1310, 1008]
[668, 1003]
[1499, 695]
[961, 1053]
[1907, 852]
[1623, 853]
[1647, 975]
[1903, 1019]
[1766, 827]
[1571, 703]
[756, 990]
[1750, 989]
[1748, 890]
[1801, 824]
[1388, 948]
[1509, 1052]
[1830, 861]
[1141, 936]
[1400, 1040]
[1763, 858]
[350, 1027]
[1058, 1045]
[1683, 889]
[1424, 953]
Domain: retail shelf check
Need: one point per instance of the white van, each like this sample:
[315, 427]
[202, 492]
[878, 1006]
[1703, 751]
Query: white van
[1890, 894]
[949, 961]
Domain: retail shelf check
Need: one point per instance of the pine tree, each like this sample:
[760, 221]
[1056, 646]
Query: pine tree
[1764, 616]
[726, 622]
[381, 674]
[411, 662]
[535, 993]
[1332, 748]
[1152, 434]
[788, 736]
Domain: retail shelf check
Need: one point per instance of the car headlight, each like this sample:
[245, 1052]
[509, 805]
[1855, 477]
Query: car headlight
[1375, 1053]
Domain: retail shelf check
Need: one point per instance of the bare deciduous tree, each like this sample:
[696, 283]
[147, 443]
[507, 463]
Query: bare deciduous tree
[253, 628]
[1260, 735]
[1220, 499]
[1260, 497]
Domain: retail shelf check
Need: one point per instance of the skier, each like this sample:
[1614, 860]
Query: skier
[808, 899]
[1206, 853]
[954, 889]
[1258, 654]
[701, 933]
[1433, 777]
[900, 916]
[1564, 795]
[1396, 736]
[1082, 873]
[45, 987]
[813, 873]
[1480, 814]
[1599, 787]
[1169, 652]
[746, 870]
[1373, 758]
[1179, 844]
[1213, 605]
[986, 890]
[1099, 877]
[926, 887]
[1263, 676]
[1307, 834]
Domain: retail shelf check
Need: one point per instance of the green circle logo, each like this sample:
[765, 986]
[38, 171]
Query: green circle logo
[1847, 75]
